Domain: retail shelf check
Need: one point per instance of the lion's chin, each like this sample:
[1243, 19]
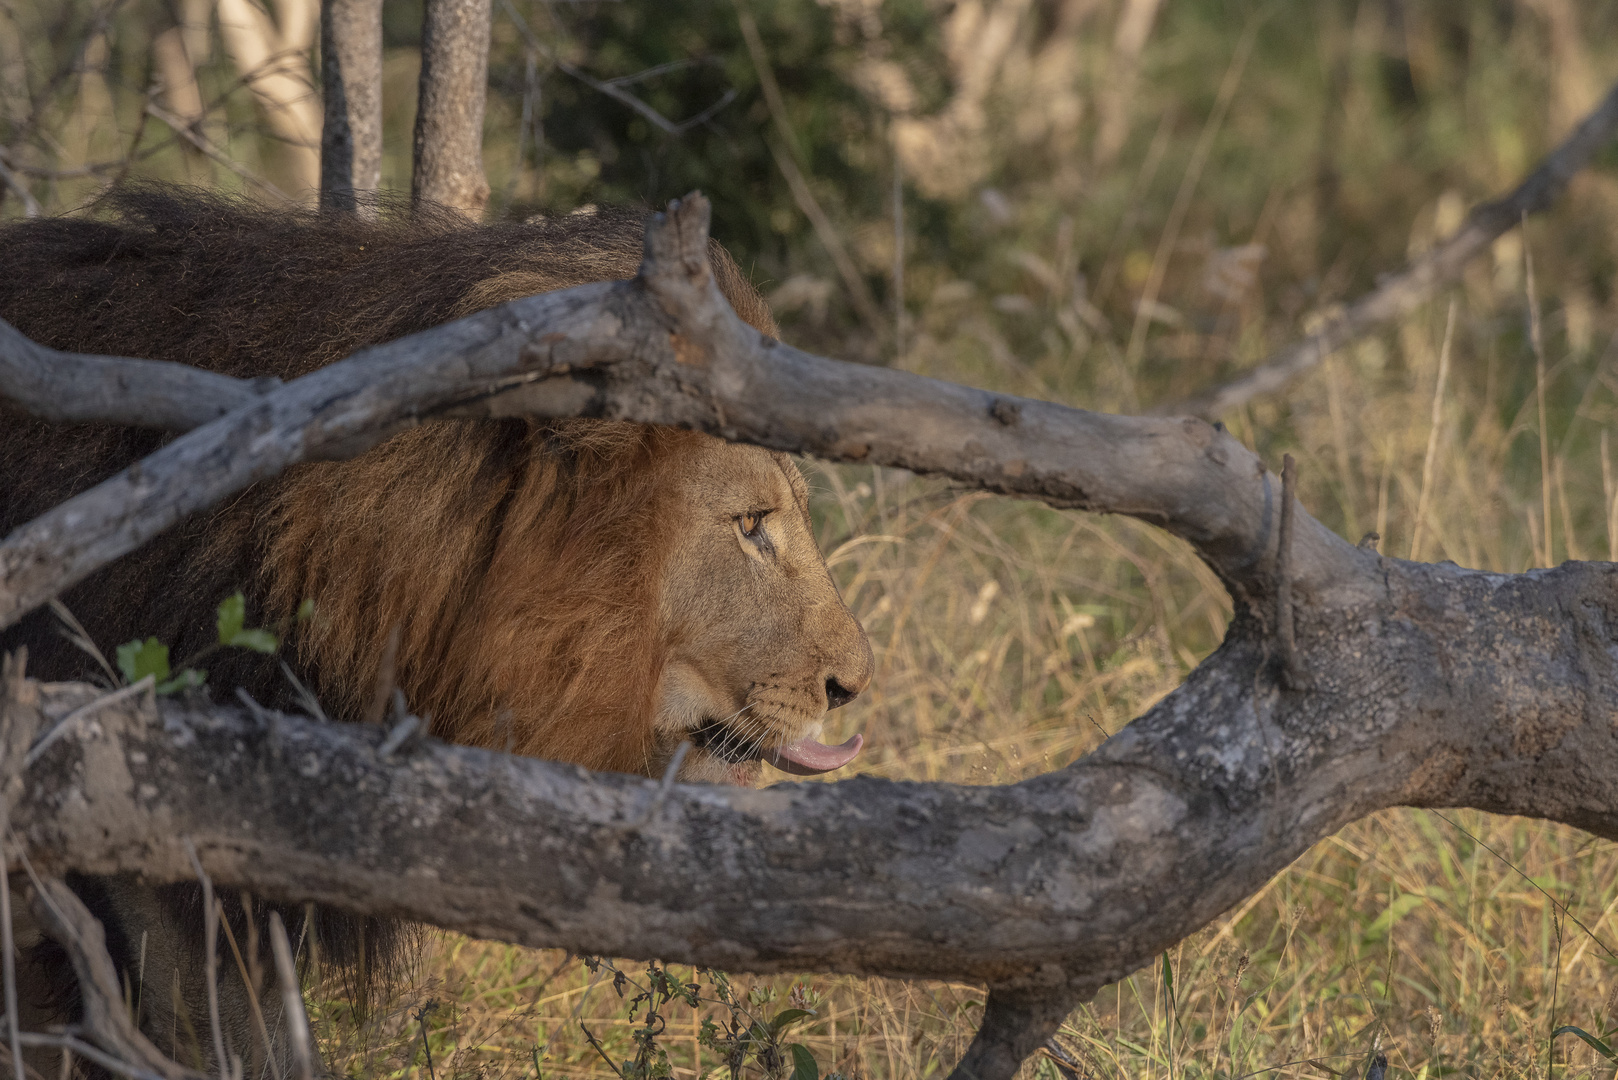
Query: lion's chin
[701, 767]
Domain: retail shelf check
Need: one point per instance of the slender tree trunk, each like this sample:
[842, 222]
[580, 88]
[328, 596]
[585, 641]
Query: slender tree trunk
[351, 76]
[449, 115]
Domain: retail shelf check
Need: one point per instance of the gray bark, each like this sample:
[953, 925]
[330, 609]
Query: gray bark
[449, 108]
[351, 80]
[665, 348]
[1429, 686]
[1404, 684]
[1401, 293]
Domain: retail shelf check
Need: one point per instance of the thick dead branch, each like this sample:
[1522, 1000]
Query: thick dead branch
[72, 388]
[1427, 685]
[449, 110]
[351, 75]
[666, 348]
[1401, 293]
[1045, 890]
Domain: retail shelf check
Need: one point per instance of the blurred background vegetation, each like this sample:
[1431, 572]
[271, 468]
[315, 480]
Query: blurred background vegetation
[1108, 203]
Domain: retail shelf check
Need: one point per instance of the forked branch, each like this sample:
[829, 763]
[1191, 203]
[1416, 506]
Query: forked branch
[1044, 890]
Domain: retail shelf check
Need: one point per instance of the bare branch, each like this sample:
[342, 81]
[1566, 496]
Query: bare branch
[1402, 293]
[72, 388]
[190, 135]
[665, 348]
[449, 113]
[1045, 890]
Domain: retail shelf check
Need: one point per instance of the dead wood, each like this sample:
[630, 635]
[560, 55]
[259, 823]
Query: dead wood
[1420, 685]
[1397, 295]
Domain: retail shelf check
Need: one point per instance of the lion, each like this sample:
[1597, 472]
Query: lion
[589, 591]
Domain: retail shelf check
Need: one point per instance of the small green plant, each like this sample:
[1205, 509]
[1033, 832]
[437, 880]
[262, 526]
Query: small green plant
[139, 659]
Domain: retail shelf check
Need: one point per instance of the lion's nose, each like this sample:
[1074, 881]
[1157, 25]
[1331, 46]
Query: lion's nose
[838, 695]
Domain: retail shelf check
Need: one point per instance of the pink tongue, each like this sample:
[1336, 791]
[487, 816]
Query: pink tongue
[806, 757]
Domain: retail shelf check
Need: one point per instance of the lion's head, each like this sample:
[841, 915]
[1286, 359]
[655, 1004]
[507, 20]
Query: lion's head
[587, 591]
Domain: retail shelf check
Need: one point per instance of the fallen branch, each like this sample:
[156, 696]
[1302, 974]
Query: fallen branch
[665, 348]
[1417, 693]
[1045, 890]
[1400, 294]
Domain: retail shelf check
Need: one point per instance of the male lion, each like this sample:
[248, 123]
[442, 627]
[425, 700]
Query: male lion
[587, 591]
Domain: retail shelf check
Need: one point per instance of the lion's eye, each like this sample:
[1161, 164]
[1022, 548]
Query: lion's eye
[751, 523]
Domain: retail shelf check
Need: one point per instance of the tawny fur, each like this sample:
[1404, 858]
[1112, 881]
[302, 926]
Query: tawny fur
[576, 590]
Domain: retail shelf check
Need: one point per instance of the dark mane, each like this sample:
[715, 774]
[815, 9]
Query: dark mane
[517, 559]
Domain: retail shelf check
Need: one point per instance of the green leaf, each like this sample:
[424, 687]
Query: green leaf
[1594, 1043]
[306, 610]
[233, 632]
[232, 617]
[1168, 977]
[787, 1017]
[258, 640]
[185, 680]
[803, 1063]
[138, 659]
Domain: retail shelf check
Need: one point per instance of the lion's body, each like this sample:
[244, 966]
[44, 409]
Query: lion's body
[588, 591]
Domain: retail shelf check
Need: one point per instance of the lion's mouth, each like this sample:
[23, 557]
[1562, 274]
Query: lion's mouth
[804, 757]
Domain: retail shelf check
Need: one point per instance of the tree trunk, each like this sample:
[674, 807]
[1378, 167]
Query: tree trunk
[449, 110]
[351, 75]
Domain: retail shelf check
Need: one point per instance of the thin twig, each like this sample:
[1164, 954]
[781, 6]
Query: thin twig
[66, 723]
[210, 960]
[1437, 423]
[614, 88]
[385, 671]
[292, 1012]
[85, 1050]
[13, 1028]
[1537, 341]
[1402, 293]
[1284, 630]
[251, 983]
[190, 135]
[30, 207]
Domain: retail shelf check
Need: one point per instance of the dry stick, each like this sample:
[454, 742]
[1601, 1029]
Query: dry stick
[1538, 342]
[30, 207]
[211, 960]
[898, 256]
[250, 983]
[859, 293]
[664, 348]
[1285, 631]
[70, 388]
[1403, 292]
[1610, 499]
[1432, 435]
[297, 1021]
[106, 1018]
[188, 133]
[13, 1028]
[614, 88]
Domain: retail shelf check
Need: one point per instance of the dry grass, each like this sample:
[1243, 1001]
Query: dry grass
[1060, 172]
[1012, 638]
